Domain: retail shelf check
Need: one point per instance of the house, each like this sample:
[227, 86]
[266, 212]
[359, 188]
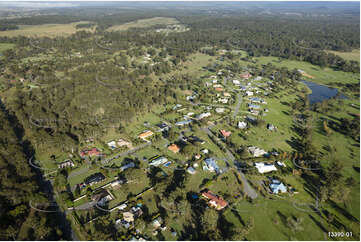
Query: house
[177, 106]
[255, 99]
[271, 127]
[251, 119]
[93, 179]
[245, 75]
[136, 211]
[205, 151]
[127, 166]
[258, 78]
[92, 152]
[264, 168]
[190, 98]
[112, 145]
[219, 89]
[223, 100]
[276, 186]
[122, 222]
[226, 94]
[254, 112]
[156, 223]
[225, 133]
[65, 164]
[256, 152]
[220, 110]
[145, 135]
[236, 82]
[214, 81]
[280, 163]
[250, 105]
[197, 156]
[211, 165]
[128, 217]
[163, 127]
[242, 125]
[203, 115]
[105, 199]
[191, 170]
[183, 122]
[159, 161]
[249, 93]
[175, 148]
[215, 201]
[122, 143]
[117, 183]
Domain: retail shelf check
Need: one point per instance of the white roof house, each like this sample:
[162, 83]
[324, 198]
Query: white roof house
[256, 152]
[159, 161]
[236, 82]
[203, 115]
[249, 93]
[242, 124]
[264, 168]
[220, 110]
[112, 145]
[223, 100]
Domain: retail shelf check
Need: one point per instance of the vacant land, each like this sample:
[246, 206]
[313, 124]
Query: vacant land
[325, 76]
[48, 30]
[5, 46]
[144, 23]
[353, 55]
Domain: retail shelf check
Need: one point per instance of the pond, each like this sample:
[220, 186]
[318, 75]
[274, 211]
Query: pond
[320, 92]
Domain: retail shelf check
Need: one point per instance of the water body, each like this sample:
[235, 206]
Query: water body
[320, 92]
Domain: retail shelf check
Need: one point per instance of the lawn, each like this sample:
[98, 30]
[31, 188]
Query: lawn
[352, 55]
[325, 76]
[144, 23]
[48, 30]
[5, 46]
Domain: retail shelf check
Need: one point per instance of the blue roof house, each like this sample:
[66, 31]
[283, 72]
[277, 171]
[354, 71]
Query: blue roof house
[277, 186]
[211, 165]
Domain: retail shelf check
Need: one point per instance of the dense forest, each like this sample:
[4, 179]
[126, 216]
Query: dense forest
[19, 187]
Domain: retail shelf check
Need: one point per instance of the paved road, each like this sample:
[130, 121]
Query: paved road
[246, 186]
[239, 100]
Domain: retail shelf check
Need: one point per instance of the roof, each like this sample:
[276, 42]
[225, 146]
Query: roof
[145, 134]
[211, 163]
[191, 170]
[92, 152]
[264, 168]
[225, 133]
[278, 187]
[215, 200]
[183, 122]
[174, 148]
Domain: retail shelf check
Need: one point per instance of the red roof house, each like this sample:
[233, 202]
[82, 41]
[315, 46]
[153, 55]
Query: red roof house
[92, 152]
[225, 133]
[245, 75]
[215, 201]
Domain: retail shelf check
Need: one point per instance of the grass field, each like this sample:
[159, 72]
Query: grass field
[324, 76]
[5, 46]
[353, 55]
[144, 23]
[48, 30]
